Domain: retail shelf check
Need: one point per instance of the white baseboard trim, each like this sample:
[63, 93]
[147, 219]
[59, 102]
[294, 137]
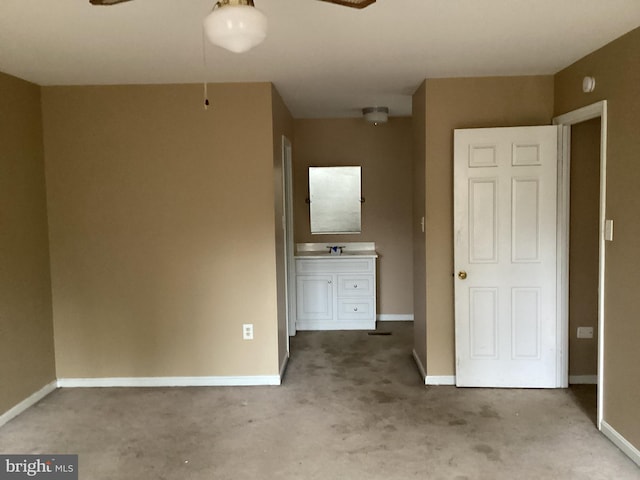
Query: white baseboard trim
[28, 402]
[583, 379]
[423, 373]
[622, 443]
[283, 367]
[170, 381]
[390, 317]
[432, 379]
[333, 325]
[440, 380]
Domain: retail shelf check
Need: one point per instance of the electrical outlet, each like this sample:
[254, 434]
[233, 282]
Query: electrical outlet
[247, 331]
[585, 332]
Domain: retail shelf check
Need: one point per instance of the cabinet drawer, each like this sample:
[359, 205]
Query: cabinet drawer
[356, 286]
[335, 265]
[355, 309]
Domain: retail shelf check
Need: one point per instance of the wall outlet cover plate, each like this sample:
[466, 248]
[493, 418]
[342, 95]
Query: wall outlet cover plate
[585, 332]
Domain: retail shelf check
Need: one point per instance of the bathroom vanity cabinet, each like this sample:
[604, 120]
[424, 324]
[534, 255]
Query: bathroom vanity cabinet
[336, 292]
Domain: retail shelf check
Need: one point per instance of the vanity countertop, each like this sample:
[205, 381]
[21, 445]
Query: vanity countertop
[349, 249]
[345, 253]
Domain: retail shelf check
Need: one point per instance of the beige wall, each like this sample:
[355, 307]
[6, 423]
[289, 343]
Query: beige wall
[26, 328]
[161, 229]
[463, 103]
[384, 152]
[583, 248]
[419, 110]
[617, 72]
[282, 125]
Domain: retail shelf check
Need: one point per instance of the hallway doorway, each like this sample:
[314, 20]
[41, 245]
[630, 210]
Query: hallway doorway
[583, 263]
[577, 286]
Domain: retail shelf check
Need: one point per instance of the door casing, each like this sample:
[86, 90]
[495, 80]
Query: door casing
[595, 110]
[287, 224]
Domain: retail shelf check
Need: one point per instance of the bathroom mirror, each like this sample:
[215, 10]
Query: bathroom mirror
[335, 199]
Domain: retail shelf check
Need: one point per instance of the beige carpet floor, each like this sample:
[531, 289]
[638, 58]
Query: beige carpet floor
[352, 407]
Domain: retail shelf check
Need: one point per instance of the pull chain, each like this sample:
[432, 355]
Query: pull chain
[204, 65]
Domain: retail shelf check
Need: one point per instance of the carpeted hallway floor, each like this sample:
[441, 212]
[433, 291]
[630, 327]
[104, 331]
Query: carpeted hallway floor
[352, 407]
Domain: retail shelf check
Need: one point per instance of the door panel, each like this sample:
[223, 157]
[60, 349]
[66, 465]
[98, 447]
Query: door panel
[483, 322]
[525, 220]
[505, 245]
[483, 221]
[525, 322]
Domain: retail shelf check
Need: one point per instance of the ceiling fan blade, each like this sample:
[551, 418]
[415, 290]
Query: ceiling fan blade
[105, 3]
[352, 3]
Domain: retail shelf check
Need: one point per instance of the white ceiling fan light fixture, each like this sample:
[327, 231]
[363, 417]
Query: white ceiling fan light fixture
[235, 25]
[376, 115]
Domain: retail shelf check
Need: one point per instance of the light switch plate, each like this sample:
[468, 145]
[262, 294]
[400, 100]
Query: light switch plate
[608, 230]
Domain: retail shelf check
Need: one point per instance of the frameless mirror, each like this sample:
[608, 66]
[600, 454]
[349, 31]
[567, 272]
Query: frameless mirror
[335, 199]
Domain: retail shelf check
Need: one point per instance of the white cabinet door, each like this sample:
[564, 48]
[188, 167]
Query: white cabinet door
[315, 297]
[505, 256]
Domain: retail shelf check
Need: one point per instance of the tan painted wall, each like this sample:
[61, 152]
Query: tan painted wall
[583, 248]
[419, 111]
[161, 229]
[26, 327]
[617, 72]
[384, 152]
[282, 125]
[463, 103]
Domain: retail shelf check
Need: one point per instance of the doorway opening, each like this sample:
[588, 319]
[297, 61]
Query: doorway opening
[584, 179]
[581, 227]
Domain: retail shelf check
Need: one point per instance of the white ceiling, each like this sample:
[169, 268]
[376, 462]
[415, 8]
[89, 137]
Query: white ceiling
[325, 60]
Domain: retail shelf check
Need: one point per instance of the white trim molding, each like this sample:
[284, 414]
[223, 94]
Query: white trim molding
[595, 110]
[440, 380]
[28, 402]
[391, 317]
[432, 379]
[423, 372]
[619, 441]
[583, 379]
[170, 381]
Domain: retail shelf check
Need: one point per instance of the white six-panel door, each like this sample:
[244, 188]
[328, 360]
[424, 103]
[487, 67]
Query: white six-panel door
[505, 184]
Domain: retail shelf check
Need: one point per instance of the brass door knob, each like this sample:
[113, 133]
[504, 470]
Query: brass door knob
[462, 275]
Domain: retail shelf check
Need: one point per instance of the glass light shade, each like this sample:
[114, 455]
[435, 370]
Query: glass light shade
[376, 115]
[237, 28]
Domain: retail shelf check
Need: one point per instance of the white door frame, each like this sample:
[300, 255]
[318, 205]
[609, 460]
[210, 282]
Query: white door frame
[290, 278]
[596, 110]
